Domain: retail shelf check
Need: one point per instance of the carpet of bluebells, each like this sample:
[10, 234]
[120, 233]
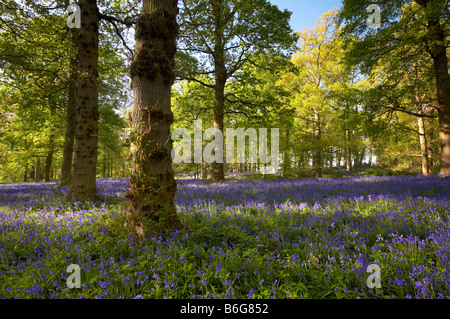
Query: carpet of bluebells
[290, 238]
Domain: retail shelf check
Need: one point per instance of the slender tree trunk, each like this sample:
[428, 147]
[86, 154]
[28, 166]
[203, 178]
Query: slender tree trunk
[38, 170]
[83, 185]
[69, 139]
[150, 202]
[338, 158]
[436, 37]
[25, 174]
[32, 172]
[430, 154]
[348, 152]
[422, 139]
[218, 168]
[355, 159]
[48, 163]
[286, 155]
[104, 166]
[220, 81]
[361, 157]
[204, 169]
[317, 158]
[51, 150]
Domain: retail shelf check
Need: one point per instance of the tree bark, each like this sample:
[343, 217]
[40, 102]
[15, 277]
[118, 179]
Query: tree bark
[83, 185]
[48, 161]
[338, 158]
[317, 158]
[436, 48]
[25, 174]
[220, 81]
[348, 152]
[286, 155]
[422, 139]
[69, 139]
[32, 172]
[204, 169]
[51, 149]
[430, 154]
[150, 202]
[38, 171]
[104, 166]
[370, 155]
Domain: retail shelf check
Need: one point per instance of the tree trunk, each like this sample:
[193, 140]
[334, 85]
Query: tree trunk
[361, 157]
[25, 174]
[437, 49]
[220, 81]
[348, 152]
[69, 139]
[431, 155]
[355, 159]
[85, 158]
[150, 202]
[32, 172]
[422, 138]
[104, 166]
[48, 164]
[286, 155]
[204, 169]
[51, 150]
[317, 158]
[38, 171]
[338, 158]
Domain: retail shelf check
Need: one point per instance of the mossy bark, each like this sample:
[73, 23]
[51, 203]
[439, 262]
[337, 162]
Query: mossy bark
[150, 202]
[83, 186]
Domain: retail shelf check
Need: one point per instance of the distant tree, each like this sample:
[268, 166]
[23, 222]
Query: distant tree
[320, 72]
[406, 32]
[193, 101]
[224, 35]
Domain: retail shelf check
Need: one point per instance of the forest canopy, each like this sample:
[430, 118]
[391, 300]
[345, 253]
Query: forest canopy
[346, 97]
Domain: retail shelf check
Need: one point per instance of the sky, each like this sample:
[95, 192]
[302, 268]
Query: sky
[306, 12]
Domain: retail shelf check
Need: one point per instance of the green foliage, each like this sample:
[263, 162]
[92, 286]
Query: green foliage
[35, 50]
